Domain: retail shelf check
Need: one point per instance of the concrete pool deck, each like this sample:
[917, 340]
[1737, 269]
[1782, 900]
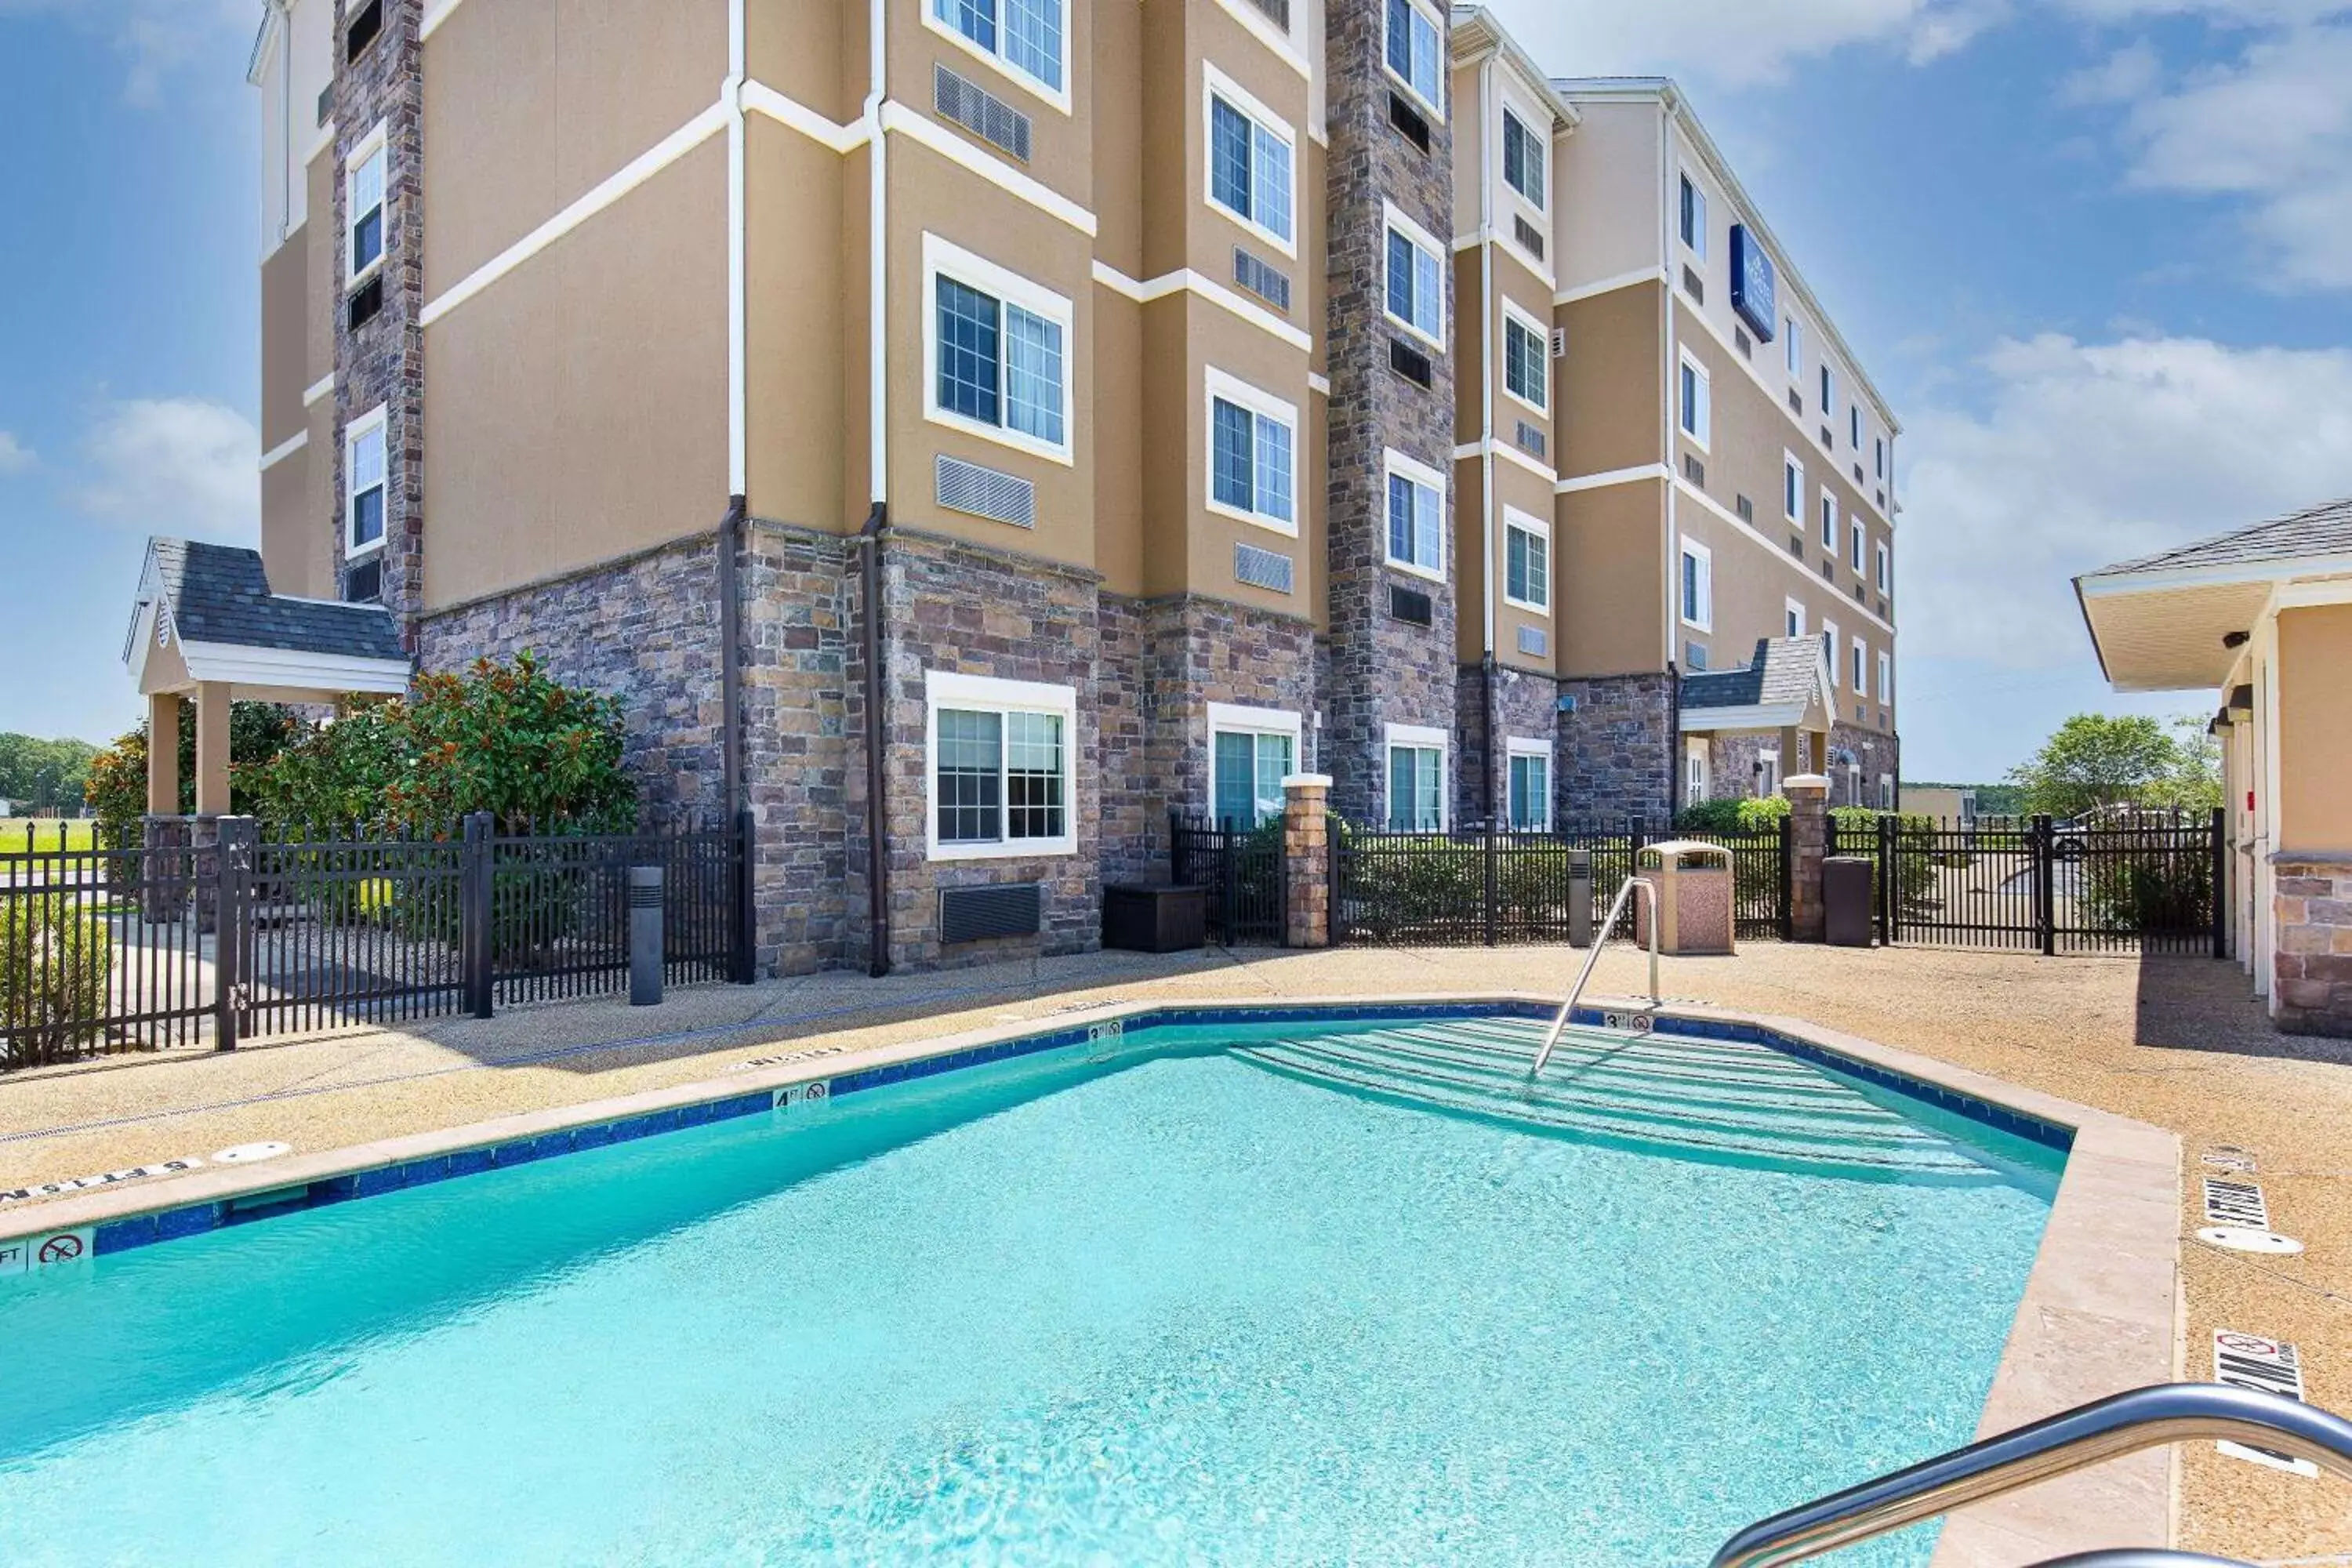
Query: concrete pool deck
[2168, 1042]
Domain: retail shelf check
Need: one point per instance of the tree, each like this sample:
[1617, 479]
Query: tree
[43, 775]
[2194, 781]
[2094, 760]
[116, 786]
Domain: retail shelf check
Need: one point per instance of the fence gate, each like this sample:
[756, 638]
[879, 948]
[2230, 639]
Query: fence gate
[1241, 867]
[2152, 882]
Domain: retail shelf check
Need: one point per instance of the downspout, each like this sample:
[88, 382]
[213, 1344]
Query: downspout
[877, 519]
[1487, 308]
[730, 93]
[1668, 371]
[730, 672]
[286, 114]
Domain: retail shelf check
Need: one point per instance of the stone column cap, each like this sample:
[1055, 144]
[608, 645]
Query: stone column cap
[1307, 781]
[1806, 781]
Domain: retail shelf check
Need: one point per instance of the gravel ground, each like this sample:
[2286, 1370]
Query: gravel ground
[2176, 1042]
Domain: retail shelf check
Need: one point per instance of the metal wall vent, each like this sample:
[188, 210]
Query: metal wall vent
[1409, 363]
[1694, 655]
[1412, 606]
[1261, 279]
[364, 305]
[1559, 342]
[1745, 507]
[984, 492]
[1535, 640]
[1693, 470]
[1277, 11]
[1828, 442]
[326, 103]
[1796, 402]
[1530, 239]
[975, 914]
[363, 584]
[1408, 122]
[1797, 545]
[1531, 440]
[1694, 285]
[1262, 568]
[1858, 479]
[980, 111]
[1739, 341]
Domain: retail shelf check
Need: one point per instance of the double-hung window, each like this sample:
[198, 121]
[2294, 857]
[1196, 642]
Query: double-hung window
[364, 483]
[1250, 161]
[1000, 779]
[1416, 758]
[1524, 157]
[1829, 649]
[1698, 586]
[1829, 524]
[1527, 361]
[1415, 53]
[1861, 545]
[1878, 460]
[1416, 516]
[1854, 425]
[1694, 217]
[1792, 488]
[1526, 560]
[1028, 40]
[1829, 391]
[997, 353]
[1695, 414]
[1251, 751]
[1793, 331]
[363, 207]
[1860, 668]
[1528, 796]
[1885, 569]
[1416, 279]
[1886, 677]
[1253, 439]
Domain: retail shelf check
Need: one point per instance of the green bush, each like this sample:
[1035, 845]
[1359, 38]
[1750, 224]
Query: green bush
[1748, 815]
[2155, 890]
[1858, 825]
[55, 958]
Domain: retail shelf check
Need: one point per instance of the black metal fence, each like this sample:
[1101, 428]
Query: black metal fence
[1241, 867]
[171, 944]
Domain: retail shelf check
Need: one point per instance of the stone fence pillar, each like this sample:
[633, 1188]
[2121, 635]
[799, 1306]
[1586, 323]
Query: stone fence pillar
[2312, 969]
[1306, 860]
[165, 876]
[1809, 845]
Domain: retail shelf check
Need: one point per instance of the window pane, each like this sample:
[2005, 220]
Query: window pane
[970, 783]
[367, 239]
[1523, 362]
[1234, 781]
[1400, 518]
[1514, 154]
[1032, 374]
[1427, 290]
[1400, 277]
[1515, 557]
[367, 517]
[367, 459]
[1425, 56]
[1229, 157]
[975, 19]
[1273, 181]
[1274, 765]
[1231, 468]
[1032, 776]
[1400, 38]
[1033, 40]
[1272, 468]
[1400, 770]
[1429, 551]
[967, 351]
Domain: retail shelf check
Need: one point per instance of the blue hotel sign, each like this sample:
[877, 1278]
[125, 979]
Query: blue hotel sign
[1753, 290]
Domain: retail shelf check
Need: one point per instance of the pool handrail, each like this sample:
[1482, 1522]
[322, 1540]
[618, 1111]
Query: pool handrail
[2152, 1417]
[1600, 940]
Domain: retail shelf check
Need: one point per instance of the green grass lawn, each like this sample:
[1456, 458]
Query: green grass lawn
[51, 833]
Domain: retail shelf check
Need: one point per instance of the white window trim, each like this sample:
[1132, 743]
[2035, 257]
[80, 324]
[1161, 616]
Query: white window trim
[1829, 521]
[1862, 668]
[1522, 746]
[1699, 436]
[1829, 391]
[1536, 527]
[1233, 718]
[1796, 607]
[1696, 246]
[1829, 633]
[1542, 335]
[944, 257]
[949, 688]
[1512, 105]
[1003, 64]
[1767, 767]
[1886, 569]
[1858, 539]
[1792, 497]
[1397, 220]
[375, 419]
[1698, 768]
[1274, 37]
[376, 141]
[1694, 550]
[1394, 462]
[1215, 84]
[1420, 738]
[1885, 676]
[1437, 22]
[1242, 395]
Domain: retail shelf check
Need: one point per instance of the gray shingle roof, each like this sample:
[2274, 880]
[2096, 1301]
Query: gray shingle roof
[1783, 670]
[218, 593]
[2321, 530]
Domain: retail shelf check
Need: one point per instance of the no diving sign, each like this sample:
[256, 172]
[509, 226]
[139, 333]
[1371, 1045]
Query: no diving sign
[2267, 1366]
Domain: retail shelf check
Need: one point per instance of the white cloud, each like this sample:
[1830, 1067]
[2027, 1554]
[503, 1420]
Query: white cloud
[2125, 77]
[157, 38]
[15, 456]
[2083, 454]
[176, 466]
[1733, 42]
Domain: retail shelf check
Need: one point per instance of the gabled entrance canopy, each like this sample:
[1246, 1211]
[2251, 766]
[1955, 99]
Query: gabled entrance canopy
[207, 626]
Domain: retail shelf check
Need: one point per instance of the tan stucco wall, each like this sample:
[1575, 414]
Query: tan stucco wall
[578, 404]
[298, 512]
[1119, 378]
[1611, 590]
[813, 54]
[528, 104]
[323, 251]
[1606, 193]
[285, 338]
[2315, 729]
[799, 313]
[1060, 150]
[1518, 490]
[1605, 391]
[1117, 196]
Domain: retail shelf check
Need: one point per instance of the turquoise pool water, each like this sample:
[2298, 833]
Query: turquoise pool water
[1195, 1304]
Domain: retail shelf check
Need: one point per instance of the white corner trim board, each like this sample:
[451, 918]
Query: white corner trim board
[761, 98]
[899, 120]
[1187, 281]
[318, 389]
[284, 449]
[1602, 480]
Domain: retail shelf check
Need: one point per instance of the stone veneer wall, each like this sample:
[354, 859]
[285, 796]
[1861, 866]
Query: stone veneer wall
[383, 361]
[1383, 670]
[2311, 972]
[1134, 824]
[1526, 709]
[1875, 750]
[1731, 761]
[1208, 650]
[1618, 753]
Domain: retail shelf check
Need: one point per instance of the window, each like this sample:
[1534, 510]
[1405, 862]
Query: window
[1886, 677]
[1527, 363]
[364, 483]
[1526, 560]
[1885, 569]
[1878, 458]
[1829, 523]
[1792, 488]
[1829, 649]
[1250, 157]
[1415, 56]
[1793, 331]
[996, 356]
[999, 766]
[1694, 413]
[1251, 751]
[1416, 527]
[1886, 791]
[1694, 218]
[1698, 586]
[1694, 786]
[1417, 779]
[1527, 797]
[1829, 393]
[1416, 279]
[1854, 425]
[1523, 157]
[1252, 439]
[1861, 668]
[1023, 39]
[1796, 618]
[363, 208]
[1861, 545]
[1768, 774]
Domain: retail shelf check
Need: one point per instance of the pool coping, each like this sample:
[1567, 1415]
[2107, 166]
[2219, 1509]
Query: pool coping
[2097, 1315]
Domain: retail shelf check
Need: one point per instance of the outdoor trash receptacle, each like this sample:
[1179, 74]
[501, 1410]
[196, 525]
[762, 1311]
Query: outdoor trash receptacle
[1145, 918]
[1693, 882]
[1846, 900]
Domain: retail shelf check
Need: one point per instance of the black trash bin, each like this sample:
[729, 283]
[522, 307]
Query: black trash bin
[1155, 919]
[1845, 899]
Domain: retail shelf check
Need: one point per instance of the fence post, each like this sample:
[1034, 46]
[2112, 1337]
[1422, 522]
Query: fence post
[1887, 850]
[1306, 861]
[474, 875]
[1334, 885]
[1229, 883]
[1788, 878]
[746, 889]
[2045, 892]
[1808, 844]
[2219, 902]
[231, 870]
[1491, 867]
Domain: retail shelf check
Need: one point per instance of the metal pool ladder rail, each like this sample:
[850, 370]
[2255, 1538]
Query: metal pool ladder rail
[1600, 940]
[2107, 1428]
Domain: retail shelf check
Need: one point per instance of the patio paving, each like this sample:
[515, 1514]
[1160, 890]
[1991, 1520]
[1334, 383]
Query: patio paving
[2174, 1041]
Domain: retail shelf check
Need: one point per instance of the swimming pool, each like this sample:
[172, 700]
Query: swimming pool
[1282, 1293]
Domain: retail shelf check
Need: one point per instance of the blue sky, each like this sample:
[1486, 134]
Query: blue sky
[2098, 254]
